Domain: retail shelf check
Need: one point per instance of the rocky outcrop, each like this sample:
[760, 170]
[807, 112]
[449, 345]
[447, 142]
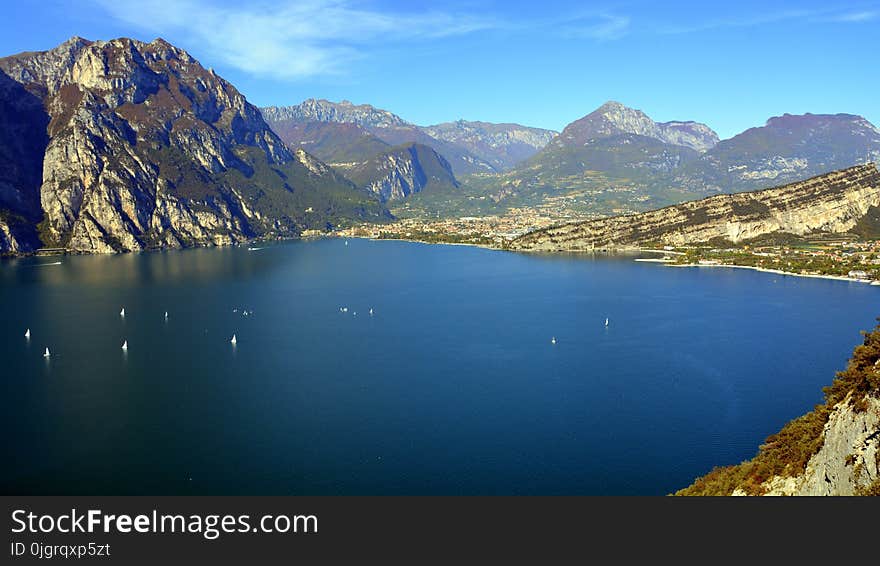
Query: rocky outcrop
[146, 148]
[848, 462]
[403, 171]
[694, 135]
[831, 203]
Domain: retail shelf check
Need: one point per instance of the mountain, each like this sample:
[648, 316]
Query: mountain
[404, 170]
[139, 147]
[614, 119]
[786, 148]
[389, 128]
[341, 145]
[501, 145]
[470, 147]
[832, 450]
[831, 203]
[612, 147]
[312, 110]
[617, 160]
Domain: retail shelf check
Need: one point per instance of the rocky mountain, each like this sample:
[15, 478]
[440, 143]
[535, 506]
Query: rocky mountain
[123, 145]
[501, 145]
[614, 119]
[620, 144]
[340, 145]
[470, 147]
[786, 148]
[833, 203]
[616, 159]
[832, 450]
[404, 170]
[312, 110]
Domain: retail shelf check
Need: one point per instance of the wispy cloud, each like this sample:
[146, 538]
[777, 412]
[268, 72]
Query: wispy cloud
[603, 27]
[788, 16]
[856, 17]
[288, 40]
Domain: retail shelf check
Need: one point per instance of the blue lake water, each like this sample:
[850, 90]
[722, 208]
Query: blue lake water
[452, 386]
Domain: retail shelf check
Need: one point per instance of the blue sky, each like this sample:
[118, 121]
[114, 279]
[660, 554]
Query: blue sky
[540, 63]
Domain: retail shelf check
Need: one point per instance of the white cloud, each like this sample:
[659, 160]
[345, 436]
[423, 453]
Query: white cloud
[604, 27]
[790, 16]
[856, 17]
[287, 40]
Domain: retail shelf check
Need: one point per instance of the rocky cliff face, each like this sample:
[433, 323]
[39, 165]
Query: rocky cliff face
[694, 135]
[833, 203]
[144, 148]
[404, 170]
[848, 461]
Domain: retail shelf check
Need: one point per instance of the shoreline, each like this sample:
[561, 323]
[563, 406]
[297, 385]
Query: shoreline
[777, 272]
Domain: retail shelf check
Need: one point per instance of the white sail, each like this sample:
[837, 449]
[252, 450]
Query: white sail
[125, 345]
[122, 312]
[166, 315]
[46, 354]
[234, 341]
[606, 322]
[371, 312]
[27, 333]
[553, 340]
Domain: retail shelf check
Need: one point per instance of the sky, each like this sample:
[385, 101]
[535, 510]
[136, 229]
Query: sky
[542, 63]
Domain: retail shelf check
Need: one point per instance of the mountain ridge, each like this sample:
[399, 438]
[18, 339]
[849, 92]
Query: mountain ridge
[834, 202]
[470, 147]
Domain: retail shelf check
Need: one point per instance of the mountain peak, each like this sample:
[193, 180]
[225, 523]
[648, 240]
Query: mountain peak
[613, 105]
[614, 119]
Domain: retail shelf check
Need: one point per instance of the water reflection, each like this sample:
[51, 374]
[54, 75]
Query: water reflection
[191, 266]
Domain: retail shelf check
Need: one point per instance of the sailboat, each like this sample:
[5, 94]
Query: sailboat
[122, 312]
[234, 341]
[553, 340]
[46, 354]
[166, 315]
[371, 312]
[27, 334]
[125, 346]
[606, 322]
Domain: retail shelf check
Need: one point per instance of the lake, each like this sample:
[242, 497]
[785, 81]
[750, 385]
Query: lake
[452, 386]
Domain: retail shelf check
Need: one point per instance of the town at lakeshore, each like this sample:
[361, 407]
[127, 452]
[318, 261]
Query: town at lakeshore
[841, 255]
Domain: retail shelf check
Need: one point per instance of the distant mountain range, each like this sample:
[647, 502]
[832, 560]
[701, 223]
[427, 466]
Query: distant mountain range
[123, 145]
[470, 147]
[663, 163]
